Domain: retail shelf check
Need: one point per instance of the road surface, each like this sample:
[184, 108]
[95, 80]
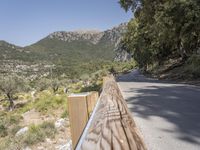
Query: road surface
[167, 114]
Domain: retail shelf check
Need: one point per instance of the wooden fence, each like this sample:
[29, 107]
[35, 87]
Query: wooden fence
[111, 126]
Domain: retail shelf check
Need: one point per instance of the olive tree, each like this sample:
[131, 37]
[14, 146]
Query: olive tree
[55, 84]
[45, 83]
[9, 86]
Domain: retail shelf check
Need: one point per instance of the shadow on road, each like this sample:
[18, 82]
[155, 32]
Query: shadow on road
[177, 103]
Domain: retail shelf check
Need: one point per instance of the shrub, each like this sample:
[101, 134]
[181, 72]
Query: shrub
[48, 129]
[34, 135]
[38, 133]
[15, 129]
[192, 66]
[43, 84]
[64, 114]
[3, 130]
[121, 67]
[47, 101]
[92, 87]
[8, 120]
[14, 119]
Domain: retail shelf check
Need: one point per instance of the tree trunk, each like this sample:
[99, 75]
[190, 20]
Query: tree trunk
[145, 68]
[182, 51]
[55, 89]
[11, 105]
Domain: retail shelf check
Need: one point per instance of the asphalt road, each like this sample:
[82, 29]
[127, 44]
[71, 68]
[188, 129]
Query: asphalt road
[167, 114]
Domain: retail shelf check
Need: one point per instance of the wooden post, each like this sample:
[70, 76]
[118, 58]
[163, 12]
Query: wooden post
[91, 101]
[80, 107]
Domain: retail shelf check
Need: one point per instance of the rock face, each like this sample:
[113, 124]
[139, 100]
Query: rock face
[112, 36]
[121, 53]
[115, 34]
[93, 36]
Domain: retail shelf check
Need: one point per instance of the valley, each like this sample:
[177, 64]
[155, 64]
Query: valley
[69, 54]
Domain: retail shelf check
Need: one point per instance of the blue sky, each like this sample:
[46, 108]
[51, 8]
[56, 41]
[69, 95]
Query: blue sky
[23, 22]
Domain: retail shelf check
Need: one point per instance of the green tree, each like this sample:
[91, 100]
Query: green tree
[129, 4]
[55, 84]
[10, 85]
[43, 84]
[162, 29]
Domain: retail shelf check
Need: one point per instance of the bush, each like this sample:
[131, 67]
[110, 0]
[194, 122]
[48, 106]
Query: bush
[92, 87]
[43, 84]
[64, 114]
[3, 130]
[34, 135]
[48, 129]
[14, 119]
[192, 66]
[47, 101]
[15, 129]
[8, 120]
[121, 67]
[38, 133]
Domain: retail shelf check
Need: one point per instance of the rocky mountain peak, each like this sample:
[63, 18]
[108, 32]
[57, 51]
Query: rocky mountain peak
[92, 36]
[77, 36]
[82, 31]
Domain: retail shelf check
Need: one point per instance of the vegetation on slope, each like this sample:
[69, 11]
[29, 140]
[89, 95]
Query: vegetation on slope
[163, 30]
[67, 54]
[35, 81]
[46, 102]
[71, 58]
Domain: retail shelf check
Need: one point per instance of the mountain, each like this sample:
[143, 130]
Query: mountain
[68, 53]
[92, 36]
[8, 50]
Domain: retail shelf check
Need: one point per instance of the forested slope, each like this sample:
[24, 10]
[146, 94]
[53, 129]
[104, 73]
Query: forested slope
[164, 33]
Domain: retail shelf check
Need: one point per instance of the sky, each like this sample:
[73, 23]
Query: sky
[24, 22]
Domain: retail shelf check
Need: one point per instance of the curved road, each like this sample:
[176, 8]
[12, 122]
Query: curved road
[167, 114]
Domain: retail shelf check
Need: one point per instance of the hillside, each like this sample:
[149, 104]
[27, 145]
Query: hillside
[164, 37]
[34, 115]
[67, 53]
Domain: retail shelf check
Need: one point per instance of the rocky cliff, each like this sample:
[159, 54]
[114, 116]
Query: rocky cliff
[112, 36]
[92, 36]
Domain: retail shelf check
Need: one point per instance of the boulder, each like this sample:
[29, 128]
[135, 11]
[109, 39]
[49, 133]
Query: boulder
[60, 123]
[22, 131]
[27, 148]
[67, 146]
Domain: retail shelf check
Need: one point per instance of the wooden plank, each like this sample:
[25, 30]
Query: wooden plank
[78, 115]
[112, 126]
[80, 107]
[91, 101]
[106, 78]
